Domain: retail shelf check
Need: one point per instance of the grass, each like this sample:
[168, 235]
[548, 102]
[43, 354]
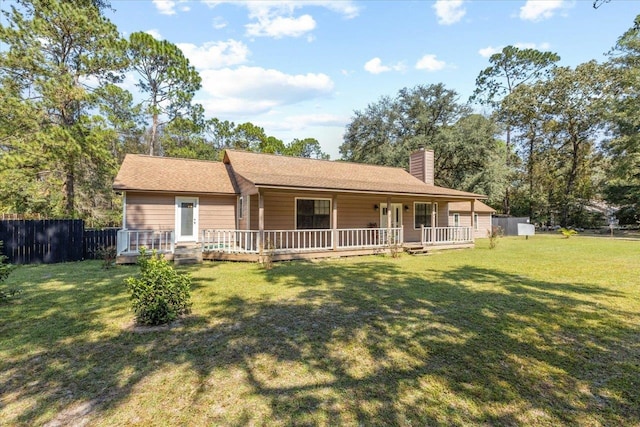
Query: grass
[538, 332]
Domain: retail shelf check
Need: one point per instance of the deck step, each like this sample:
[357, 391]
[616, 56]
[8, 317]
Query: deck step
[187, 254]
[417, 251]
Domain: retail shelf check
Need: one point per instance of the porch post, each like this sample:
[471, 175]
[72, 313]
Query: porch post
[473, 220]
[334, 221]
[260, 219]
[247, 218]
[434, 215]
[388, 213]
[124, 210]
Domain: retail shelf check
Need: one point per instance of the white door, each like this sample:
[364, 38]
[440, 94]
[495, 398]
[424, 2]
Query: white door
[186, 219]
[396, 215]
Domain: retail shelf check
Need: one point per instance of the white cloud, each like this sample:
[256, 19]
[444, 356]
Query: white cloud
[277, 19]
[375, 66]
[155, 34]
[165, 7]
[346, 8]
[252, 90]
[449, 11]
[168, 7]
[486, 52]
[212, 55]
[219, 23]
[542, 46]
[304, 121]
[538, 10]
[279, 26]
[430, 63]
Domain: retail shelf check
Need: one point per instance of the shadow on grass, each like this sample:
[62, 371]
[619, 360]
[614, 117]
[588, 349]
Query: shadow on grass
[360, 343]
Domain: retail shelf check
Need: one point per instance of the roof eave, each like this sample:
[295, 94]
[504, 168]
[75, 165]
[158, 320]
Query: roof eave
[469, 196]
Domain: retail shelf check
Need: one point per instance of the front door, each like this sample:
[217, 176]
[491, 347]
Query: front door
[186, 219]
[396, 215]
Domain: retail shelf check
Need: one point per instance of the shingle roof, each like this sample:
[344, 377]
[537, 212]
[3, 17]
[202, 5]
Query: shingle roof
[139, 172]
[478, 207]
[294, 172]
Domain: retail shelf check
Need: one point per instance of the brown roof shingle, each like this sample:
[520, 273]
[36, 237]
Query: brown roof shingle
[294, 172]
[478, 207]
[147, 173]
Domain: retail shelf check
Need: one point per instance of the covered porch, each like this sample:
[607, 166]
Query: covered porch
[254, 245]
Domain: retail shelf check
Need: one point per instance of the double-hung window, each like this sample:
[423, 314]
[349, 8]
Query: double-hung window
[313, 214]
[421, 215]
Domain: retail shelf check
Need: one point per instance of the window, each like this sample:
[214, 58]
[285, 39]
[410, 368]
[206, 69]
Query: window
[475, 222]
[456, 220]
[313, 214]
[241, 207]
[421, 215]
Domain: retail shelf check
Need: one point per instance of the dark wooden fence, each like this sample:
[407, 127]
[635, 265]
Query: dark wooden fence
[52, 240]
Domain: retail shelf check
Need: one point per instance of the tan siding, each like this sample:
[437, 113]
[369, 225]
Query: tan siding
[421, 165]
[217, 212]
[253, 215]
[157, 211]
[443, 214]
[245, 186]
[484, 225]
[150, 211]
[416, 165]
[484, 222]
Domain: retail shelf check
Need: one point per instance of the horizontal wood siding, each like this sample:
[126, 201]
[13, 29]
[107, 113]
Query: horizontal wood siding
[354, 211]
[254, 218]
[484, 225]
[443, 214]
[245, 186]
[217, 212]
[150, 211]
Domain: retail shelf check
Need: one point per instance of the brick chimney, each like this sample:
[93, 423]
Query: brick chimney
[421, 165]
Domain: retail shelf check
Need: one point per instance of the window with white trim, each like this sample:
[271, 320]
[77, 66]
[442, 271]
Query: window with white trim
[240, 207]
[313, 214]
[475, 222]
[422, 214]
[456, 220]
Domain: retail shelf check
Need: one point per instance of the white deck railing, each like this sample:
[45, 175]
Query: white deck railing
[369, 237]
[446, 235]
[230, 241]
[298, 240]
[130, 241]
[291, 241]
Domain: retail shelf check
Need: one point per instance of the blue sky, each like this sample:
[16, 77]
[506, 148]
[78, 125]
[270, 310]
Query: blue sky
[301, 68]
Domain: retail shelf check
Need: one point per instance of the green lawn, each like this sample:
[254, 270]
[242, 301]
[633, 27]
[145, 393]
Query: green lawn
[544, 331]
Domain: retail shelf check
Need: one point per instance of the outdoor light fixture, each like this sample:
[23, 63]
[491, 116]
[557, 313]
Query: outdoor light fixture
[376, 208]
[406, 208]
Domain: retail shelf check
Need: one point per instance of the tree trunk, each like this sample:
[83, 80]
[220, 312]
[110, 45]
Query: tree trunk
[69, 191]
[154, 131]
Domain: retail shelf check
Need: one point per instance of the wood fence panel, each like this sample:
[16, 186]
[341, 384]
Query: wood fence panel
[42, 241]
[94, 240]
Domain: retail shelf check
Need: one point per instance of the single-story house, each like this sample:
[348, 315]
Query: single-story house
[250, 205]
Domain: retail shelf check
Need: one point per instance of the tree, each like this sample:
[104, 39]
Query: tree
[623, 189]
[509, 69]
[165, 76]
[561, 121]
[55, 53]
[464, 144]
[307, 147]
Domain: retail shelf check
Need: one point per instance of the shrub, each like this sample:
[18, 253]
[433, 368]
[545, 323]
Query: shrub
[108, 256]
[567, 232]
[494, 234]
[5, 270]
[159, 294]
